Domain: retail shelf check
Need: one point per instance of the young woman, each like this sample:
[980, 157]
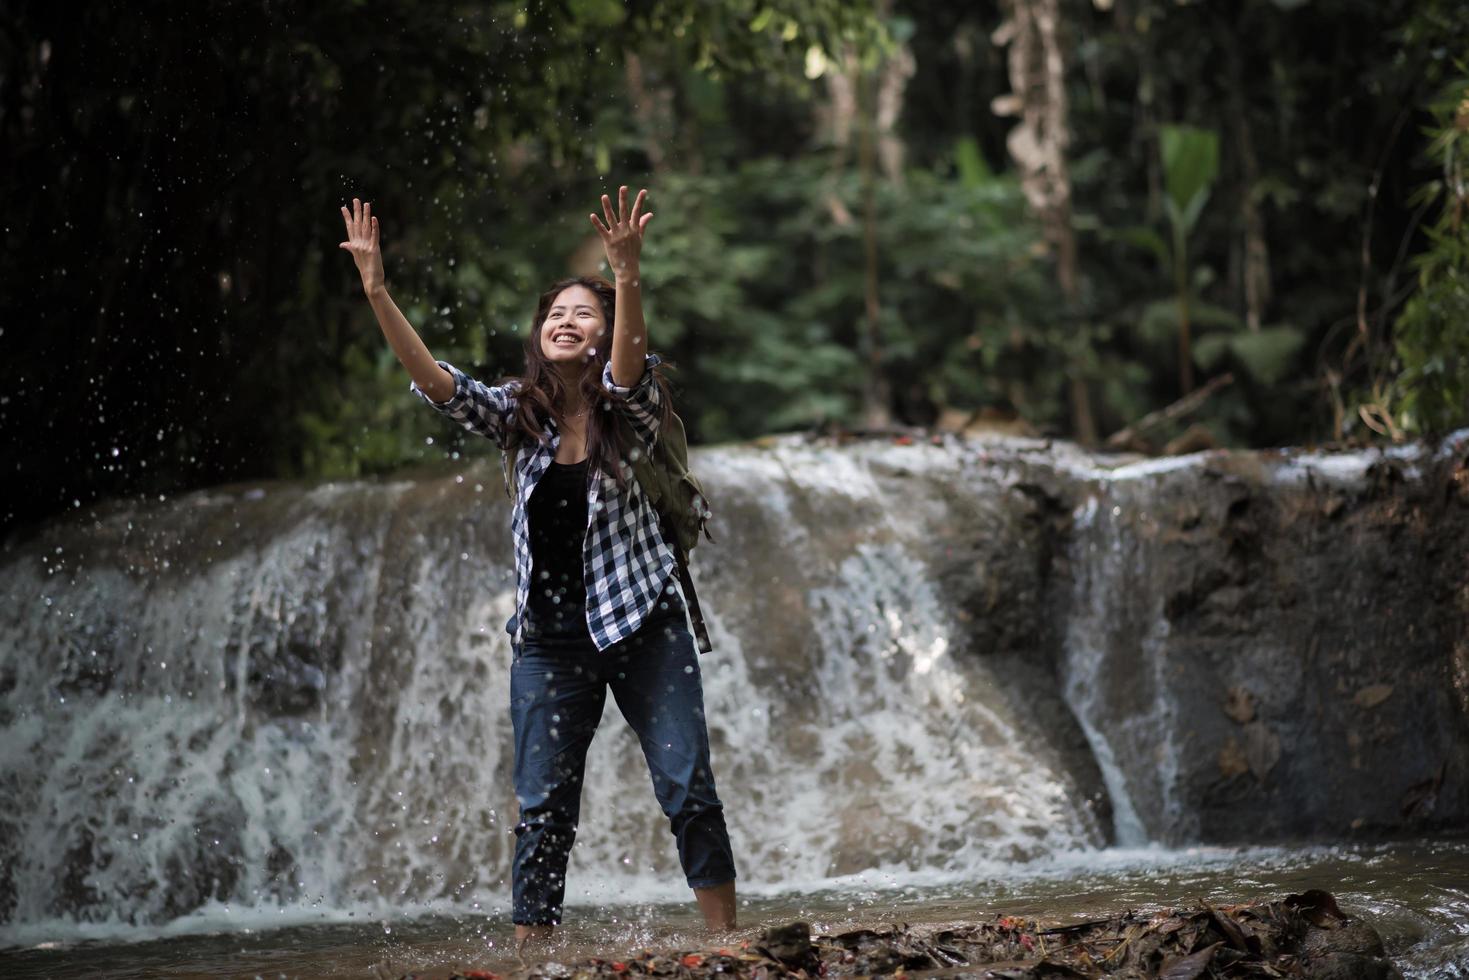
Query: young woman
[596, 599]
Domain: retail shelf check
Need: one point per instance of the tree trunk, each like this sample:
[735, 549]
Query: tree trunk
[1256, 265]
[1145, 128]
[876, 396]
[870, 104]
[892, 82]
[1038, 144]
[1180, 285]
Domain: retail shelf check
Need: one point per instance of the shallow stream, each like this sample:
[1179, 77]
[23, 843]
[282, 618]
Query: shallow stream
[1415, 893]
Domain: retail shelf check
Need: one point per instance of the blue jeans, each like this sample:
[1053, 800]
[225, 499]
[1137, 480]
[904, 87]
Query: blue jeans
[558, 685]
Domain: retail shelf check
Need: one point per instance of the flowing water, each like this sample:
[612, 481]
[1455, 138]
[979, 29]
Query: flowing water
[262, 730]
[1415, 893]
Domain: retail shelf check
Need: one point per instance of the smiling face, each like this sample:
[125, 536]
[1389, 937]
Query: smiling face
[573, 327]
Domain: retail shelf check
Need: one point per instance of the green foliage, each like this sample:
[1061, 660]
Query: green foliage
[1431, 335]
[754, 263]
[973, 171]
[1267, 354]
[375, 436]
[755, 285]
[1305, 130]
[733, 37]
[1190, 164]
[1157, 323]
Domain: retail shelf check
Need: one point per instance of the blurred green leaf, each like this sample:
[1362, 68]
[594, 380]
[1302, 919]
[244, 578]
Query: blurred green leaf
[1190, 164]
[973, 170]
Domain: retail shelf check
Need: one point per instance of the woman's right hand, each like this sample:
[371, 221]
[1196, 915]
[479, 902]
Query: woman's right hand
[362, 242]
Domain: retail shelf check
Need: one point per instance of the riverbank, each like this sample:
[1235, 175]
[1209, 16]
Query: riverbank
[1298, 935]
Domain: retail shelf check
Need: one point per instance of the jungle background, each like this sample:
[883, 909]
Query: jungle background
[1065, 215]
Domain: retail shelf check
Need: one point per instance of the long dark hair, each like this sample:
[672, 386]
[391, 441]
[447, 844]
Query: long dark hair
[543, 392]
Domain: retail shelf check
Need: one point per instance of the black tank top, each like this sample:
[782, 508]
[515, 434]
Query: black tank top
[558, 526]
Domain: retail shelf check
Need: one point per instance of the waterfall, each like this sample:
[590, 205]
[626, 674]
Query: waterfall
[288, 699]
[276, 696]
[1106, 587]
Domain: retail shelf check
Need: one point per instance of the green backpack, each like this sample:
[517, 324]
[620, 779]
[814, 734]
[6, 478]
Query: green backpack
[678, 498]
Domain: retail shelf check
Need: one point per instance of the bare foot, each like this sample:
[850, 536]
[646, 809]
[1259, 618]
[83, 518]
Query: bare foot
[532, 939]
[718, 905]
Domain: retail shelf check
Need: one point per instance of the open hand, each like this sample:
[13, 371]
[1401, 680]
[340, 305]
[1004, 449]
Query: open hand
[622, 235]
[362, 242]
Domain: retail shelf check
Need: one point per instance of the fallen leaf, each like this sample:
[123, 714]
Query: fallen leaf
[1262, 748]
[1239, 704]
[1190, 966]
[1372, 695]
[1231, 931]
[1232, 761]
[693, 959]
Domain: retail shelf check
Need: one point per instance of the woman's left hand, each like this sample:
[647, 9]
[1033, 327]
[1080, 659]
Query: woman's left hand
[622, 235]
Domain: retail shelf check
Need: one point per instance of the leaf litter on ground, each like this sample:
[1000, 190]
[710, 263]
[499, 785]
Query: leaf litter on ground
[1305, 935]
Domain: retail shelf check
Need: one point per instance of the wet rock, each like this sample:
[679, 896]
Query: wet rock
[1349, 966]
[1264, 670]
[1355, 937]
[791, 944]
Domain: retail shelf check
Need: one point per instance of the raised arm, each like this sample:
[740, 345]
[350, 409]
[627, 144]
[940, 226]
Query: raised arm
[362, 243]
[622, 237]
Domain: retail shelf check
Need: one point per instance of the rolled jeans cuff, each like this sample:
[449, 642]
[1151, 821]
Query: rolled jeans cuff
[710, 882]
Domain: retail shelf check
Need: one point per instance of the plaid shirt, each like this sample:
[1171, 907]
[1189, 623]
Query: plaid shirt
[626, 562]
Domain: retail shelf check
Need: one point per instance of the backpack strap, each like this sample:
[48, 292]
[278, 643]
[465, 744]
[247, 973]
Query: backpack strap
[686, 580]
